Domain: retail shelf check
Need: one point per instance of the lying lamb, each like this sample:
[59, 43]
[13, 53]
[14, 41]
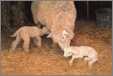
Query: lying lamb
[89, 53]
[25, 33]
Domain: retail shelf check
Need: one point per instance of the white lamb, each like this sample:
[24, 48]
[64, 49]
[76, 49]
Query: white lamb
[25, 33]
[88, 53]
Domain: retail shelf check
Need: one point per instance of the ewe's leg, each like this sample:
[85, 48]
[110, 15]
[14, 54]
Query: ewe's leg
[26, 44]
[15, 43]
[38, 43]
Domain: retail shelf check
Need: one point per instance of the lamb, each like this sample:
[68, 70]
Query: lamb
[88, 53]
[25, 33]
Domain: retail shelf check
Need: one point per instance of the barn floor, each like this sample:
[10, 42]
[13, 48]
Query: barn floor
[45, 60]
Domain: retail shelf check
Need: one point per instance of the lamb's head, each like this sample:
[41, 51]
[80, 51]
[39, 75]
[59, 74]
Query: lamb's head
[67, 52]
[45, 30]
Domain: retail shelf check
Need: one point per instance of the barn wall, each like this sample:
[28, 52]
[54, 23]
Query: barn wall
[93, 6]
[17, 13]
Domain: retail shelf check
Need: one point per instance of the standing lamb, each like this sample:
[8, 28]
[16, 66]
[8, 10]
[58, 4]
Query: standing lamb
[87, 52]
[58, 16]
[25, 33]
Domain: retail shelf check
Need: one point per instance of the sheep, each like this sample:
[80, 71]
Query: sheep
[88, 53]
[25, 33]
[57, 16]
[63, 38]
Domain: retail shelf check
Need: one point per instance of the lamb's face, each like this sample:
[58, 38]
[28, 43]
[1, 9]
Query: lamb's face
[67, 52]
[45, 30]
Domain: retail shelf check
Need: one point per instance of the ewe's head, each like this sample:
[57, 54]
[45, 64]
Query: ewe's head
[67, 34]
[65, 39]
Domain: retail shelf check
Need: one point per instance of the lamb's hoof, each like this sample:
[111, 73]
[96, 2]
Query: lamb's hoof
[27, 51]
[39, 45]
[11, 50]
[90, 66]
[70, 64]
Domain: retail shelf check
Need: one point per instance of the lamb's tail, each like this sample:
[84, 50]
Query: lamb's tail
[15, 34]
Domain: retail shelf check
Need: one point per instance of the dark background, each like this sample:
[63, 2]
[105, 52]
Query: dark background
[93, 6]
[14, 14]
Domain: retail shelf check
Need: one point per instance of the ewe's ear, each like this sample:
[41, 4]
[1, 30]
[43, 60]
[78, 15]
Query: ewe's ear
[67, 34]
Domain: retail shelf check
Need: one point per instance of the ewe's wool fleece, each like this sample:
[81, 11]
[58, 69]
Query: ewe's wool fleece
[56, 15]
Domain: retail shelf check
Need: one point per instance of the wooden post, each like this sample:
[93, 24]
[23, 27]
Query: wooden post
[87, 10]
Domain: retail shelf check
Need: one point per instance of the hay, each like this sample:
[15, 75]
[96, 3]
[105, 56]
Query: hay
[49, 61]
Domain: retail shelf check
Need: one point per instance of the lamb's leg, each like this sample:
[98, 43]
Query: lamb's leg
[39, 41]
[90, 63]
[15, 43]
[71, 61]
[86, 58]
[26, 44]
